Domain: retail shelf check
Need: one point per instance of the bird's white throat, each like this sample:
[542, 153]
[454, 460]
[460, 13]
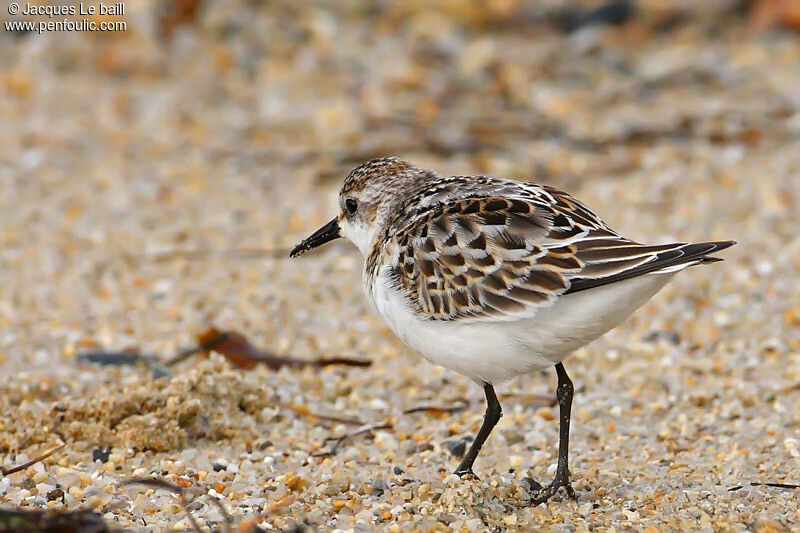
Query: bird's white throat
[360, 234]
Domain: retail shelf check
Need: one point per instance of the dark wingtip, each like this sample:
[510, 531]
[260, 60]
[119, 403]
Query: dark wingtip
[693, 253]
[720, 245]
[714, 247]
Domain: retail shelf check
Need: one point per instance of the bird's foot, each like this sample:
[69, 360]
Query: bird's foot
[465, 472]
[542, 494]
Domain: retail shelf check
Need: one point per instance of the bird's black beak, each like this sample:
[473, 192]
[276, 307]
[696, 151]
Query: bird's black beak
[326, 233]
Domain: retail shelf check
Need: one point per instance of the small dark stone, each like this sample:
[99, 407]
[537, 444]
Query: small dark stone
[101, 454]
[219, 467]
[379, 486]
[533, 485]
[456, 447]
[28, 483]
[159, 371]
[397, 470]
[515, 438]
[266, 444]
[55, 494]
[408, 446]
[612, 13]
[662, 335]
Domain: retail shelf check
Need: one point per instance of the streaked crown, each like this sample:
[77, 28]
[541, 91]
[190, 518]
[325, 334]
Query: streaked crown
[372, 192]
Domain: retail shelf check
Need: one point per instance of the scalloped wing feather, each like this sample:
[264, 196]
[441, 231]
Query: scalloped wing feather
[495, 250]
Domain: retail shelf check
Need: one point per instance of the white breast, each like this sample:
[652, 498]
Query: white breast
[494, 352]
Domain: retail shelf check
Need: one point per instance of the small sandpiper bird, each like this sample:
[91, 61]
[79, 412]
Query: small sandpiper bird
[493, 277]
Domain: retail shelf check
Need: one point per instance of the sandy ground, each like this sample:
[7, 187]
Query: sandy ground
[120, 154]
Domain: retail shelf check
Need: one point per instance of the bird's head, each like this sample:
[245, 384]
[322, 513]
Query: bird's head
[368, 197]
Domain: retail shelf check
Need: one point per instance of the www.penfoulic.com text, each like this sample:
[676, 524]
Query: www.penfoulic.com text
[66, 24]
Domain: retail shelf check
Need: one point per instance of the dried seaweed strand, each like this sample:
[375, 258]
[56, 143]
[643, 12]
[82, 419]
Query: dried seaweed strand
[201, 348]
[461, 404]
[15, 469]
[240, 352]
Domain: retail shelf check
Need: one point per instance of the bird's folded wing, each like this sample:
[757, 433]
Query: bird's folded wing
[503, 258]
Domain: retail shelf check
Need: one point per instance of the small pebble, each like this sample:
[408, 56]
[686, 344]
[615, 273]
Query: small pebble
[457, 448]
[379, 486]
[101, 454]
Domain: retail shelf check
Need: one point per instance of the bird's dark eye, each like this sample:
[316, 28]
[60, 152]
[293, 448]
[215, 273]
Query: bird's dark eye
[351, 206]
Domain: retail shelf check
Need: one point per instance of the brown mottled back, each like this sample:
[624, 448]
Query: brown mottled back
[479, 248]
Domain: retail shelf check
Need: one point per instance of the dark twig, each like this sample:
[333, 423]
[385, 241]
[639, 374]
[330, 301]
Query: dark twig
[183, 356]
[791, 486]
[32, 462]
[461, 404]
[129, 357]
[330, 361]
[788, 486]
[360, 431]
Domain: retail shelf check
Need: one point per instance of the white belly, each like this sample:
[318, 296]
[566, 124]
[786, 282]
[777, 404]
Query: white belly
[494, 352]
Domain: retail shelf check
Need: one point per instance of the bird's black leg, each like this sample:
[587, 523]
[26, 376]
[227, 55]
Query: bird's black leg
[564, 394]
[490, 418]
